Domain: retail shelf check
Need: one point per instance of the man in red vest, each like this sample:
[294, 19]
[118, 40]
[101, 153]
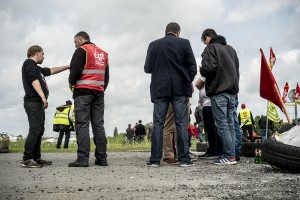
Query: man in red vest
[89, 76]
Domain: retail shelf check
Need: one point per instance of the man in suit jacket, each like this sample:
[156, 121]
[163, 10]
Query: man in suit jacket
[172, 65]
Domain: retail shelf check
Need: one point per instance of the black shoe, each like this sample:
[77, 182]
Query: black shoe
[149, 164]
[206, 156]
[78, 164]
[101, 162]
[30, 163]
[58, 147]
[43, 162]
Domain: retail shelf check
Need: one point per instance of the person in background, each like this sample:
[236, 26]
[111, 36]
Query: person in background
[214, 143]
[199, 119]
[172, 65]
[63, 123]
[263, 126]
[246, 119]
[89, 74]
[35, 103]
[129, 134]
[140, 131]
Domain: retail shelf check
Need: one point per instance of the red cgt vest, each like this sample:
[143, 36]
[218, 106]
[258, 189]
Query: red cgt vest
[94, 70]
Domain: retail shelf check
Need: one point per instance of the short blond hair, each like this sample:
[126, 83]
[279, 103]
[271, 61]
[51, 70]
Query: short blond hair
[33, 50]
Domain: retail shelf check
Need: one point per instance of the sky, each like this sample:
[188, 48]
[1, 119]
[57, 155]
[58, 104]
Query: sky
[124, 29]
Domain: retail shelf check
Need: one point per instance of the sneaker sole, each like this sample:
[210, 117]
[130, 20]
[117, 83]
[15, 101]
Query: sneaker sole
[226, 163]
[155, 166]
[187, 165]
[27, 166]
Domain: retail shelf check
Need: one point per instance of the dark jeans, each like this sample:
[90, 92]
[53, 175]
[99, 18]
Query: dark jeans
[67, 134]
[248, 129]
[238, 136]
[88, 109]
[214, 142]
[36, 119]
[179, 105]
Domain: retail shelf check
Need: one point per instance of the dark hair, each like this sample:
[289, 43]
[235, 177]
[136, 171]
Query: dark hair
[33, 50]
[172, 27]
[140, 121]
[208, 33]
[84, 35]
[68, 102]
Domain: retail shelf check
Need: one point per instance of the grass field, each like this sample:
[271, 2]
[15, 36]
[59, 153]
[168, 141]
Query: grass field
[113, 144]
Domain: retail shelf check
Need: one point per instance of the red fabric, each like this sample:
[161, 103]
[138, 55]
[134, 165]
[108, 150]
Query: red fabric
[268, 83]
[195, 131]
[297, 93]
[285, 92]
[272, 58]
[190, 131]
[96, 59]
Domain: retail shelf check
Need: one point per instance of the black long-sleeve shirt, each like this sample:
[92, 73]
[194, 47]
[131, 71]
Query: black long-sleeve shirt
[76, 67]
[31, 72]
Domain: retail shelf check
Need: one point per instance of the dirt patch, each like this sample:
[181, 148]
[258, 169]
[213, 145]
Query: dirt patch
[126, 177]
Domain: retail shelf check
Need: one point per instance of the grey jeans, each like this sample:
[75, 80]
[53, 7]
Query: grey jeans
[90, 108]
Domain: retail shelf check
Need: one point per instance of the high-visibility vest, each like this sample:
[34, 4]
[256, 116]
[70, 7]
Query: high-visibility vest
[245, 114]
[62, 117]
[93, 73]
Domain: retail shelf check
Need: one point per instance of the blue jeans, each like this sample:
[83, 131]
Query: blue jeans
[238, 136]
[36, 119]
[179, 105]
[223, 105]
[200, 129]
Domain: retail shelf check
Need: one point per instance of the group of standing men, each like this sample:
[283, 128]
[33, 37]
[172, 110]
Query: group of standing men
[88, 79]
[172, 65]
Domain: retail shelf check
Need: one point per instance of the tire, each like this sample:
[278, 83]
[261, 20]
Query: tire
[248, 148]
[281, 155]
[285, 127]
[201, 146]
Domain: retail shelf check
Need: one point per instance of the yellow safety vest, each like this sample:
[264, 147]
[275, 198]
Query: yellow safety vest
[244, 115]
[62, 117]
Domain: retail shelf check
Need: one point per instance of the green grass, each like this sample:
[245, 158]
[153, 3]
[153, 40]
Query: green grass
[113, 144]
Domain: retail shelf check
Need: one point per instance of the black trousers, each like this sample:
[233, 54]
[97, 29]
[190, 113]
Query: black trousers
[214, 142]
[36, 119]
[90, 108]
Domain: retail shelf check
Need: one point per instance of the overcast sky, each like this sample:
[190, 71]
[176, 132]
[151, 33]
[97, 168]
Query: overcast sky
[124, 29]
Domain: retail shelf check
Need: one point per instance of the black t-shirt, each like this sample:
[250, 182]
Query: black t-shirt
[31, 72]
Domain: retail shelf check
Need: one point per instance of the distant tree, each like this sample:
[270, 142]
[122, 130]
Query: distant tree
[116, 132]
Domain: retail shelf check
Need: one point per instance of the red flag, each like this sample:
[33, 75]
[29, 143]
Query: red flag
[285, 92]
[272, 58]
[268, 86]
[297, 93]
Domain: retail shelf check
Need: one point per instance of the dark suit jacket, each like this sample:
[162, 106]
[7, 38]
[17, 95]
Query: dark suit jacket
[172, 64]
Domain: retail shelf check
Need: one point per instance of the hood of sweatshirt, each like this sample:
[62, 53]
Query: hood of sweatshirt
[218, 39]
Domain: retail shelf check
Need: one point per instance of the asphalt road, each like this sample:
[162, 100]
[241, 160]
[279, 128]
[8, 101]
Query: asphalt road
[126, 177]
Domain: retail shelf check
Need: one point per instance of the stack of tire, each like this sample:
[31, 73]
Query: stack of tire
[283, 156]
[248, 148]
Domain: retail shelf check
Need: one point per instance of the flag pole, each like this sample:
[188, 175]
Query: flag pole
[267, 120]
[285, 112]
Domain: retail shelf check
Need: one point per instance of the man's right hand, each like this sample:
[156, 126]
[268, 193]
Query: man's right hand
[45, 103]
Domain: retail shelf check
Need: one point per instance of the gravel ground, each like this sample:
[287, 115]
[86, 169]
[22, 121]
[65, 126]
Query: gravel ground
[126, 177]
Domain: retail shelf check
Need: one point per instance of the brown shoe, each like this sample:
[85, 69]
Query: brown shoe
[171, 161]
